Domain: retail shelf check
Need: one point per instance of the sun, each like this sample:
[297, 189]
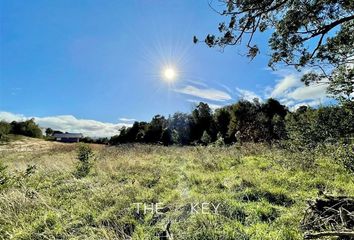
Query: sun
[169, 74]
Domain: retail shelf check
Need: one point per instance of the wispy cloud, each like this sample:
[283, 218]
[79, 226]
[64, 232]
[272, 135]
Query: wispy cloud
[127, 119]
[290, 91]
[293, 93]
[205, 93]
[247, 95]
[69, 123]
[285, 85]
[309, 92]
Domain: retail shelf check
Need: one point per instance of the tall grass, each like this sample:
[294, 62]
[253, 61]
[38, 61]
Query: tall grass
[262, 192]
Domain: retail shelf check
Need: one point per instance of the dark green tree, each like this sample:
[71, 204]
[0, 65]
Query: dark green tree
[222, 118]
[202, 120]
[166, 137]
[27, 128]
[5, 129]
[154, 129]
[49, 132]
[274, 120]
[245, 121]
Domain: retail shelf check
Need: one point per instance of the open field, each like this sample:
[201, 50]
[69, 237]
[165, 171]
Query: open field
[249, 191]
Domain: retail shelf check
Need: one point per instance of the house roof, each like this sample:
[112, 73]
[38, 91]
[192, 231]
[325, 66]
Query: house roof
[68, 135]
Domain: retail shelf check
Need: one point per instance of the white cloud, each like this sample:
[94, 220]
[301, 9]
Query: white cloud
[127, 119]
[284, 85]
[317, 91]
[69, 123]
[290, 91]
[247, 95]
[205, 93]
[9, 117]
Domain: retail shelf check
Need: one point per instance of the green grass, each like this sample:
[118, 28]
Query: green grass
[262, 192]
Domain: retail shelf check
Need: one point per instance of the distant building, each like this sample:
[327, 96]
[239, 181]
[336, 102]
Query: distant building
[68, 137]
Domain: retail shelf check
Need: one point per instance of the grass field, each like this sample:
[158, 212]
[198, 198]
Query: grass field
[260, 192]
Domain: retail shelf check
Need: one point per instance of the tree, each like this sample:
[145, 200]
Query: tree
[180, 124]
[309, 126]
[222, 118]
[166, 137]
[27, 128]
[274, 122]
[132, 132]
[245, 121]
[278, 127]
[49, 132]
[202, 120]
[154, 129]
[299, 126]
[316, 34]
[5, 129]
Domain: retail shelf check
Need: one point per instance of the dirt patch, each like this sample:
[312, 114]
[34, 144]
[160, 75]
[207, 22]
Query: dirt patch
[27, 144]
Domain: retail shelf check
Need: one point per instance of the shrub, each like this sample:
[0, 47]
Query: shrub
[345, 155]
[206, 139]
[84, 155]
[5, 129]
[220, 141]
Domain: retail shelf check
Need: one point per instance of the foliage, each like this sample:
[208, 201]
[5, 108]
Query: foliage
[154, 129]
[220, 140]
[206, 139]
[5, 129]
[316, 34]
[49, 132]
[180, 124]
[84, 155]
[222, 117]
[27, 128]
[202, 120]
[166, 137]
[254, 121]
[245, 121]
[344, 154]
[312, 126]
[102, 140]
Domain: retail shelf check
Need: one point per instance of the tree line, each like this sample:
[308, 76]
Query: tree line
[26, 128]
[244, 121]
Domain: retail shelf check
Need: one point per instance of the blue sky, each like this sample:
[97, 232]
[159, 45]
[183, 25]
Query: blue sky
[93, 66]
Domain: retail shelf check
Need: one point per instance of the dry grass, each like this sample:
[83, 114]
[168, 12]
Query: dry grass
[262, 192]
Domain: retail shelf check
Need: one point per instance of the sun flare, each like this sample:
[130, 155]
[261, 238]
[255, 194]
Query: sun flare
[169, 74]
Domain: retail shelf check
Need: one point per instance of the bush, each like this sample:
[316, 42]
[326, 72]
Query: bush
[345, 156]
[5, 129]
[84, 155]
[206, 139]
